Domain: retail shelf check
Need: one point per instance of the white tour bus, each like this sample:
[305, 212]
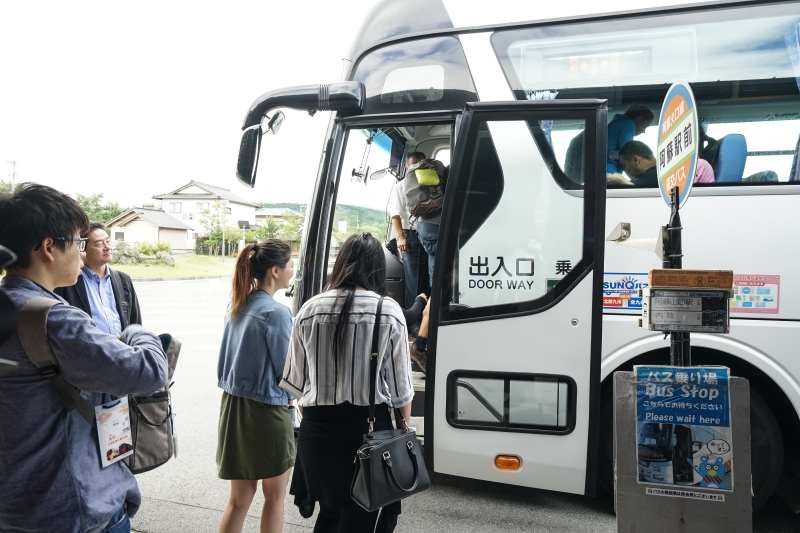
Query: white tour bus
[532, 310]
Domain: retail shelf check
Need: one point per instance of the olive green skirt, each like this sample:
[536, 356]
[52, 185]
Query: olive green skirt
[256, 440]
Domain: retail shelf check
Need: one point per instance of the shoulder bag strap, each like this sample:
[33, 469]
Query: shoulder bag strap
[373, 365]
[117, 286]
[32, 330]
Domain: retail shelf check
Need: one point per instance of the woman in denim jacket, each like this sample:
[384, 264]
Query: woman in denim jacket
[256, 438]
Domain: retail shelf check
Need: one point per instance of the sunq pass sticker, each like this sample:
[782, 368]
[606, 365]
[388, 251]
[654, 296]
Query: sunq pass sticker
[676, 157]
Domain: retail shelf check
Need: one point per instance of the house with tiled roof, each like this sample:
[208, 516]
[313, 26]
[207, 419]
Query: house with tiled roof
[278, 214]
[149, 225]
[188, 203]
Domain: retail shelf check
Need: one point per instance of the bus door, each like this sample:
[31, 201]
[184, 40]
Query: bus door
[514, 350]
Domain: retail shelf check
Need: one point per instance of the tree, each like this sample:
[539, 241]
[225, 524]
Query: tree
[292, 228]
[212, 220]
[268, 231]
[96, 210]
[149, 205]
[5, 187]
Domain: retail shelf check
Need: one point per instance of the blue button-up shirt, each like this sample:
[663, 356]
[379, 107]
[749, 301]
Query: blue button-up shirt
[102, 304]
[50, 473]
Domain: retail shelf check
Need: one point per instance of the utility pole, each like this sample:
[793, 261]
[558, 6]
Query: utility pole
[223, 231]
[13, 172]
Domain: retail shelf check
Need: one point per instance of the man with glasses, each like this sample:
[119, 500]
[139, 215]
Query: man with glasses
[105, 295]
[51, 474]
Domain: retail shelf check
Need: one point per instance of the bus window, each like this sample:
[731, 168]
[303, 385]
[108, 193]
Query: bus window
[655, 441]
[360, 201]
[511, 401]
[443, 155]
[414, 84]
[426, 74]
[542, 402]
[743, 64]
[364, 191]
[479, 400]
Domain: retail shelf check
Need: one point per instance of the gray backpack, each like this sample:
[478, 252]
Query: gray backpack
[152, 428]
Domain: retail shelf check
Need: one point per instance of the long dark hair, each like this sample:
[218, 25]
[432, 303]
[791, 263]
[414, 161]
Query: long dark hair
[253, 263]
[360, 263]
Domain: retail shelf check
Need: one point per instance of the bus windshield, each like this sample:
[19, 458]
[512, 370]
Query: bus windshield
[656, 441]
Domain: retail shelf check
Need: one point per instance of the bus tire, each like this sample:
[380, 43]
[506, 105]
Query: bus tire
[765, 438]
[766, 457]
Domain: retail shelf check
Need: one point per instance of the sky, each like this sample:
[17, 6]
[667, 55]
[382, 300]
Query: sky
[136, 99]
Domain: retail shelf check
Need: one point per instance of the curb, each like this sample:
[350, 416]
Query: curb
[180, 279]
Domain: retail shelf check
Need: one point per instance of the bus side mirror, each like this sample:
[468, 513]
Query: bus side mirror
[250, 147]
[247, 166]
[275, 122]
[380, 174]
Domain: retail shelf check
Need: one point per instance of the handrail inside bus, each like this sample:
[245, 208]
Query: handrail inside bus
[478, 396]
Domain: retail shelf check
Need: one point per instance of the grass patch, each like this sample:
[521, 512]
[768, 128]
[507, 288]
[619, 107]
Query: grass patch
[185, 267]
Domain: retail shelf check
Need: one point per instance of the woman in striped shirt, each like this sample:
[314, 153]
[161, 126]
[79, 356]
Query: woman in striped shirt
[328, 370]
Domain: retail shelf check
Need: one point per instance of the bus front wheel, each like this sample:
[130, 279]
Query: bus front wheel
[765, 438]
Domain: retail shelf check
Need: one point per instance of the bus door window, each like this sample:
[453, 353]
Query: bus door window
[520, 231]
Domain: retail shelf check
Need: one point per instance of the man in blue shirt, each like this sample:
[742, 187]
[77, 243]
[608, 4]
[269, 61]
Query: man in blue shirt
[51, 478]
[109, 298]
[622, 129]
[639, 163]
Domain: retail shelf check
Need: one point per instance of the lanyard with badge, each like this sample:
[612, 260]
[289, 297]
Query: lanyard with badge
[114, 431]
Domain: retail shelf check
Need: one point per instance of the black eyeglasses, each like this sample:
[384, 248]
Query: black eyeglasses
[81, 241]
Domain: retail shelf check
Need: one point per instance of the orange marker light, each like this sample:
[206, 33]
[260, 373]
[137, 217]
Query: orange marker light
[507, 462]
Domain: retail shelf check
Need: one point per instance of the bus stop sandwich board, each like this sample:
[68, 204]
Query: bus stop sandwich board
[646, 503]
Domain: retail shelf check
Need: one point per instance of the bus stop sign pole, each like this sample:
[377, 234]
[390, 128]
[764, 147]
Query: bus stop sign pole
[680, 351]
[676, 158]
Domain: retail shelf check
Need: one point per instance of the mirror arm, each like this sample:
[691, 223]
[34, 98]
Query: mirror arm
[344, 96]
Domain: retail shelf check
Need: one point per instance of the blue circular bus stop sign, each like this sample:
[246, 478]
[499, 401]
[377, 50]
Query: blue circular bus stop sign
[676, 157]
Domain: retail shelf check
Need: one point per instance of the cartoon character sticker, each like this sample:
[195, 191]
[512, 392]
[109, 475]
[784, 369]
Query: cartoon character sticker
[711, 473]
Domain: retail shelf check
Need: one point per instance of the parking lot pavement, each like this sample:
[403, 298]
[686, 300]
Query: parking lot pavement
[185, 495]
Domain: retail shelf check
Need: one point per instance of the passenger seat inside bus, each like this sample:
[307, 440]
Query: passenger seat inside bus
[731, 158]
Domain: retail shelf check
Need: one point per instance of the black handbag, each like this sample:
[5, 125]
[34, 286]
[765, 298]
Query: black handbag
[389, 465]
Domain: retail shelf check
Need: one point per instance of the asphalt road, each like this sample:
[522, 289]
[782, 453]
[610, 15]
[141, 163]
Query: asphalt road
[185, 495]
